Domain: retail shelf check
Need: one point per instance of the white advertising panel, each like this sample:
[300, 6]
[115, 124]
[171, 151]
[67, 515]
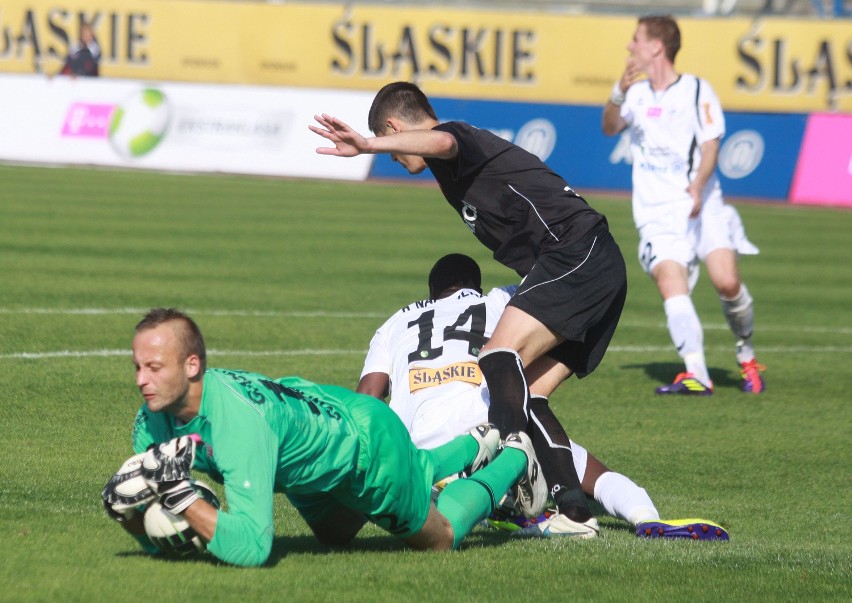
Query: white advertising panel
[171, 126]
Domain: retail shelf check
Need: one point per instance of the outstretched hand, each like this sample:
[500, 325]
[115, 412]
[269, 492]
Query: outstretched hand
[347, 142]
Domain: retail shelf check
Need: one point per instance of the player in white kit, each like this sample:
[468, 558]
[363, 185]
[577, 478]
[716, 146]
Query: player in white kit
[675, 123]
[424, 358]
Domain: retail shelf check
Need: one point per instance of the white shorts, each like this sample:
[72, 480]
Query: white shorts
[674, 236]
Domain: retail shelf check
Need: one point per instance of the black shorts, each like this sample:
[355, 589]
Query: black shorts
[578, 292]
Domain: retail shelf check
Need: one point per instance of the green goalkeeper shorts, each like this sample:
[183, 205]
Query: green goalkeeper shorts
[392, 480]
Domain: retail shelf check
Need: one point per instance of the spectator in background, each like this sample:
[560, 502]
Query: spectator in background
[84, 57]
[675, 123]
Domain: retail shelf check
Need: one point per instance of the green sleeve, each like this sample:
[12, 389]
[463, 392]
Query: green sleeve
[246, 452]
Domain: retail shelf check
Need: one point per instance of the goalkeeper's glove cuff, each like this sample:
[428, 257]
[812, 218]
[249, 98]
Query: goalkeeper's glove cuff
[120, 515]
[178, 498]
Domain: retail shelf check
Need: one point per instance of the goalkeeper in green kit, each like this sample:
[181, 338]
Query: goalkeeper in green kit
[341, 458]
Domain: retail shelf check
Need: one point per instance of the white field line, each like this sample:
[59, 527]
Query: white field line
[377, 315]
[633, 349]
[629, 349]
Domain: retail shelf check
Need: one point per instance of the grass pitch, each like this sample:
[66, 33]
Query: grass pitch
[289, 277]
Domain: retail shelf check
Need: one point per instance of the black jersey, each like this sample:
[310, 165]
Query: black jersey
[514, 204]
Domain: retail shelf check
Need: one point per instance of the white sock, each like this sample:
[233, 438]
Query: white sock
[687, 335]
[739, 312]
[622, 498]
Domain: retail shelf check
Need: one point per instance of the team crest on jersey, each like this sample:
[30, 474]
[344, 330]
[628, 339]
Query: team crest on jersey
[468, 214]
[708, 117]
[464, 372]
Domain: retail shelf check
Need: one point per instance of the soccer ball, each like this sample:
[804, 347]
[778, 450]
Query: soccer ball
[139, 123]
[171, 533]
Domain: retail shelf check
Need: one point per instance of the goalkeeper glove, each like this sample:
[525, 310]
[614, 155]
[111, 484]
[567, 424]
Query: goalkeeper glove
[126, 490]
[166, 469]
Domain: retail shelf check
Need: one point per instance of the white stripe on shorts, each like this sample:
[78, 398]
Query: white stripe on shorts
[577, 267]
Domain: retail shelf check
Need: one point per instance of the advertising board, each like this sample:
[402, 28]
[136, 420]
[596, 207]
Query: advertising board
[171, 126]
[757, 157]
[777, 65]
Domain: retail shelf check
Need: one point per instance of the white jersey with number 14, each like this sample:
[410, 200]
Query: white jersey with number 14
[429, 350]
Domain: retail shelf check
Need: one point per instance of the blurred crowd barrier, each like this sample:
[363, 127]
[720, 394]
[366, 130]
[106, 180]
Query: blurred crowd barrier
[749, 8]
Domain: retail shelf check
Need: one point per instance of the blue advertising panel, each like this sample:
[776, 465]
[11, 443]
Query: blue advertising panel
[759, 152]
[567, 138]
[757, 158]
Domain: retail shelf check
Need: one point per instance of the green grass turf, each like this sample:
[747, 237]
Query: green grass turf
[291, 277]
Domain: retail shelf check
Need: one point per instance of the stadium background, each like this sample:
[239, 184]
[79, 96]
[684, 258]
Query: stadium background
[293, 275]
[238, 82]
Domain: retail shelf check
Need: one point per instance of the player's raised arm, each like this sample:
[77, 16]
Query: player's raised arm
[347, 142]
[401, 139]
[613, 123]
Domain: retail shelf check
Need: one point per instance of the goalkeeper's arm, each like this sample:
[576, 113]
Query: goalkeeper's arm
[166, 470]
[202, 516]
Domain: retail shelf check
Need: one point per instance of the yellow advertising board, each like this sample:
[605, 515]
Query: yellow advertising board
[769, 65]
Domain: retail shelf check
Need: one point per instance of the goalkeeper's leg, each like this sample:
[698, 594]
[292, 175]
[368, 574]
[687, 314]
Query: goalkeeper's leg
[338, 528]
[466, 502]
[468, 452]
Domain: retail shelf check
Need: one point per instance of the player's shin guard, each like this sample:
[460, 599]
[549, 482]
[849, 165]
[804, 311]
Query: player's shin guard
[553, 449]
[466, 502]
[504, 372]
[739, 312]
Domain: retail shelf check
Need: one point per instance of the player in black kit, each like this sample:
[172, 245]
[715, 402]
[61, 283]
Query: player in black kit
[563, 315]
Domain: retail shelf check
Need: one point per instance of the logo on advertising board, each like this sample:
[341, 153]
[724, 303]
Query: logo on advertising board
[140, 123]
[133, 127]
[741, 154]
[537, 136]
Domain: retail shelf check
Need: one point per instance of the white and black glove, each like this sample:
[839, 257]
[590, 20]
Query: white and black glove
[166, 469]
[127, 490]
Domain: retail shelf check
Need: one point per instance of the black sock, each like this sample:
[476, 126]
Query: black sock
[553, 449]
[507, 386]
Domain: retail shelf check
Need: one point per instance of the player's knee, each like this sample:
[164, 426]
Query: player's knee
[436, 539]
[728, 287]
[435, 535]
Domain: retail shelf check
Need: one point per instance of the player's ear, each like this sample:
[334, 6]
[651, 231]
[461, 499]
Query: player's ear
[192, 366]
[394, 125]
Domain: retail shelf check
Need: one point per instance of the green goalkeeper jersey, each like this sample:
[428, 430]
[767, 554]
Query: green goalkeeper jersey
[262, 436]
